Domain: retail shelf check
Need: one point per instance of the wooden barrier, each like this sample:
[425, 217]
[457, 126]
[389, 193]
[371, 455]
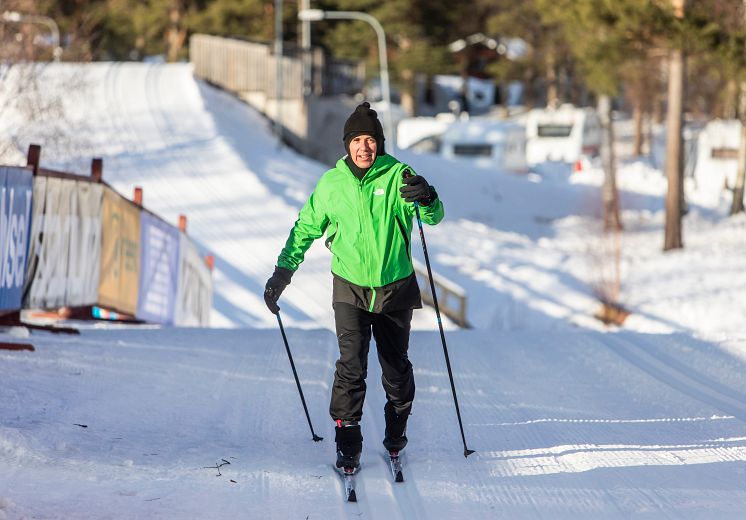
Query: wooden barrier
[112, 297]
[451, 297]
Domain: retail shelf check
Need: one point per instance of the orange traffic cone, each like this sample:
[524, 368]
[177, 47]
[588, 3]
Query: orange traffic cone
[577, 166]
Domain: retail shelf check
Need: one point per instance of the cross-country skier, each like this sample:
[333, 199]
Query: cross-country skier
[365, 205]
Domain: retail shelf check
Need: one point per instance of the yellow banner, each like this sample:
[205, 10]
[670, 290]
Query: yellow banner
[120, 253]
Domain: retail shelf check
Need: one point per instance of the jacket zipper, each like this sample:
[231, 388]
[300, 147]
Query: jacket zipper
[368, 225]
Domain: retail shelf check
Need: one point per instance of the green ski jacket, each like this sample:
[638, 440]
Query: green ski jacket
[368, 224]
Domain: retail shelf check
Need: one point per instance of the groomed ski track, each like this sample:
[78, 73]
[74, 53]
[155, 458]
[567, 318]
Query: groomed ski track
[576, 425]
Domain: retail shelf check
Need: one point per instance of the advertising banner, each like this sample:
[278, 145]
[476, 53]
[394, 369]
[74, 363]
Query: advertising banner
[65, 248]
[16, 191]
[194, 297]
[159, 270]
[120, 253]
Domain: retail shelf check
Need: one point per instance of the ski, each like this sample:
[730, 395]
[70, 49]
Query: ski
[395, 465]
[348, 478]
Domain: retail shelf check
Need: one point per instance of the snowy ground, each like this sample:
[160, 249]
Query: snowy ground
[569, 420]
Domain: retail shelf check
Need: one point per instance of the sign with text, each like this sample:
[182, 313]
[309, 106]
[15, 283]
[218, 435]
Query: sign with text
[159, 270]
[194, 298]
[120, 253]
[16, 191]
[65, 244]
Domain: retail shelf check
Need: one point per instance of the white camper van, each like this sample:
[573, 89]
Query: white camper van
[564, 134]
[502, 143]
[423, 133]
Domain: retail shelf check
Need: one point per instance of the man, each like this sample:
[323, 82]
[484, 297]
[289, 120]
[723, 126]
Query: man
[365, 204]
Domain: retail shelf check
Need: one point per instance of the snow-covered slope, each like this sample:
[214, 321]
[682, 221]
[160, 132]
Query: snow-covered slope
[569, 420]
[569, 425]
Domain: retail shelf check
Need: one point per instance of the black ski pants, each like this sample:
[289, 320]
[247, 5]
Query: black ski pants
[391, 332]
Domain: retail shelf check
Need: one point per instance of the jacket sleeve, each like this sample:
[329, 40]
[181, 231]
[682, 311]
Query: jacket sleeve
[311, 224]
[430, 214]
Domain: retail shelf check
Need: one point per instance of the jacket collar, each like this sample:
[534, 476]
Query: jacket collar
[379, 166]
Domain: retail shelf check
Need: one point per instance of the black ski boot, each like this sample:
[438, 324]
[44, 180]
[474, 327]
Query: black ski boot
[396, 429]
[349, 440]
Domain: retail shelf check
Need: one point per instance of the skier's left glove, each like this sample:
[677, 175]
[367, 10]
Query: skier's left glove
[416, 189]
[275, 285]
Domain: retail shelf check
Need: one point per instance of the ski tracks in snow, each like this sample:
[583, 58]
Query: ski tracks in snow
[677, 375]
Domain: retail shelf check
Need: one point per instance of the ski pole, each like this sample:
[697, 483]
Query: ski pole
[316, 438]
[467, 451]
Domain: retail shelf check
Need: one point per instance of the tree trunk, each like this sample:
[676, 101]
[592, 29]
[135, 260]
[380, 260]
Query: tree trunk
[730, 104]
[610, 193]
[638, 138]
[408, 102]
[674, 148]
[552, 91]
[737, 206]
[176, 34]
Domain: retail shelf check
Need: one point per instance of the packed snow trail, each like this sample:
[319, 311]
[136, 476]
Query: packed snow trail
[572, 425]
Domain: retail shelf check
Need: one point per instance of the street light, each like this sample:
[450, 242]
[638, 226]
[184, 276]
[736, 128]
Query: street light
[16, 17]
[315, 15]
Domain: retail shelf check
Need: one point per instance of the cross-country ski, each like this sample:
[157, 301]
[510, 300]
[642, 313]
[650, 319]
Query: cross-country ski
[348, 481]
[394, 461]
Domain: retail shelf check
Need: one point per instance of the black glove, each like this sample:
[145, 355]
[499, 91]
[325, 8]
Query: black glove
[275, 285]
[416, 189]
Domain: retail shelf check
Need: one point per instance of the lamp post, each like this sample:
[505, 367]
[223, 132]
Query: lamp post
[315, 15]
[278, 72]
[16, 17]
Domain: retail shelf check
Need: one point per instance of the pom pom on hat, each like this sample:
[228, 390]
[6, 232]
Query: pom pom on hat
[363, 121]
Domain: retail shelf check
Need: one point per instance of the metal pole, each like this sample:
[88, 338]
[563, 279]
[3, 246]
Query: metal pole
[305, 43]
[382, 61]
[467, 451]
[278, 70]
[315, 437]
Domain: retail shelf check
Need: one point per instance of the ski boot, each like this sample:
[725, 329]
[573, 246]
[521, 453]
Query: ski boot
[396, 431]
[349, 440]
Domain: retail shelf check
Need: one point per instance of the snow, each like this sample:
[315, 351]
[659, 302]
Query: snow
[569, 419]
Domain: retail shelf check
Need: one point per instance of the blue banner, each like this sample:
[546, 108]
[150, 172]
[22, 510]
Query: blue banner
[159, 270]
[16, 190]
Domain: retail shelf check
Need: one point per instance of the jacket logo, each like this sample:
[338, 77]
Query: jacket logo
[379, 191]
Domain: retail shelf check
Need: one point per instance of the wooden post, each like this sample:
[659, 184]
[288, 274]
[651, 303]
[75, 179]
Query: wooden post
[137, 199]
[97, 169]
[674, 145]
[182, 223]
[738, 190]
[33, 157]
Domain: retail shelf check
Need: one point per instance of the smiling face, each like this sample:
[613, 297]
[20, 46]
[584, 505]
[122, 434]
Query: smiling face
[363, 150]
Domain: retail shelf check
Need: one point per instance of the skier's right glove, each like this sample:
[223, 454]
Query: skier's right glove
[275, 285]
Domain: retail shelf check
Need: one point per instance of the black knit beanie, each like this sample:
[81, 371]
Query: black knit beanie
[364, 121]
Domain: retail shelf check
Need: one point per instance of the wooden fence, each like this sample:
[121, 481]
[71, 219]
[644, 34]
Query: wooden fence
[242, 66]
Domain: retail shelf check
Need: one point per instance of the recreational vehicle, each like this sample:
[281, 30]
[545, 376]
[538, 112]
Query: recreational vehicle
[565, 134]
